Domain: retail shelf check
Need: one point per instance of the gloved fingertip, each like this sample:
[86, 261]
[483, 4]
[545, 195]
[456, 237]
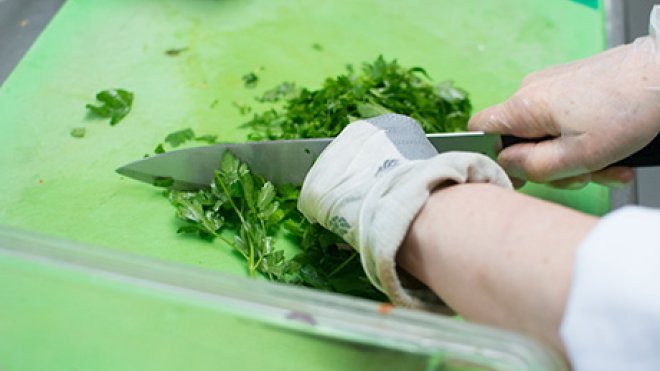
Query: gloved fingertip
[614, 177]
[623, 174]
[512, 160]
[488, 120]
[572, 183]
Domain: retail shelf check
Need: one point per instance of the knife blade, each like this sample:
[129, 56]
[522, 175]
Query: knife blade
[281, 161]
[287, 161]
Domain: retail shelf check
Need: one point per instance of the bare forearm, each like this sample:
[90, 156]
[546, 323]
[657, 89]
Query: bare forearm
[497, 256]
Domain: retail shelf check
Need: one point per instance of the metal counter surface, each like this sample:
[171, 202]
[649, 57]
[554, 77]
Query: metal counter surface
[21, 22]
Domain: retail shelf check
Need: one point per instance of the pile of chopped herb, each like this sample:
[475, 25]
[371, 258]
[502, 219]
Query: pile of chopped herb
[379, 87]
[255, 211]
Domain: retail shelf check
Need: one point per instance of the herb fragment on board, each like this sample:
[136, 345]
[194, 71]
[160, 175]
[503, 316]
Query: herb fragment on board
[163, 182]
[284, 90]
[78, 132]
[243, 109]
[115, 104]
[175, 51]
[179, 137]
[208, 138]
[250, 80]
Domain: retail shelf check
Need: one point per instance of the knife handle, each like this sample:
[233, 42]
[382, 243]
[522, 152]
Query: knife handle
[647, 156]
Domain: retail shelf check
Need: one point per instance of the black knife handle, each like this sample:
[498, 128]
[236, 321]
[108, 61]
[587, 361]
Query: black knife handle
[647, 156]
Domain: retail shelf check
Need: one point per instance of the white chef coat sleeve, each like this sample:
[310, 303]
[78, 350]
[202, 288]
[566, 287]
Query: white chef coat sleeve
[612, 316]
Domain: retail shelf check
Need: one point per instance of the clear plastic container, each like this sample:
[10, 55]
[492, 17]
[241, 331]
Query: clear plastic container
[67, 306]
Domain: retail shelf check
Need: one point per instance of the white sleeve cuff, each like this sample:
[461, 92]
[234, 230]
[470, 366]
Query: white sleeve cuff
[612, 317]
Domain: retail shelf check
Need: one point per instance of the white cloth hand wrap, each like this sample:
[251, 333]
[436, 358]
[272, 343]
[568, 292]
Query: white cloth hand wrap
[370, 183]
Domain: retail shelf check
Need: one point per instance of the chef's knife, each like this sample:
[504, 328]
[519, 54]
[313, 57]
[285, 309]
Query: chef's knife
[287, 161]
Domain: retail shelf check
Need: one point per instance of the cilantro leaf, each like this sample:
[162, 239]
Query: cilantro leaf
[284, 90]
[78, 132]
[208, 138]
[163, 182]
[175, 51]
[193, 207]
[177, 138]
[115, 105]
[242, 202]
[243, 109]
[250, 80]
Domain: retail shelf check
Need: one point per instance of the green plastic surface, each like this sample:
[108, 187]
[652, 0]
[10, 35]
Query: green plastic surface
[66, 187]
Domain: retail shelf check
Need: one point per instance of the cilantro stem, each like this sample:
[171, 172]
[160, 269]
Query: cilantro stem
[231, 202]
[342, 265]
[261, 256]
[251, 258]
[231, 244]
[244, 225]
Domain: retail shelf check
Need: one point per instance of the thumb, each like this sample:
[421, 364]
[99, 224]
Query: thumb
[521, 115]
[544, 161]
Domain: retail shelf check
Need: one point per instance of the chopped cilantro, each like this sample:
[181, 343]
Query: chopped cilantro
[243, 109]
[163, 182]
[174, 52]
[180, 137]
[255, 210]
[210, 139]
[250, 80]
[282, 91]
[381, 86]
[177, 138]
[115, 105]
[78, 132]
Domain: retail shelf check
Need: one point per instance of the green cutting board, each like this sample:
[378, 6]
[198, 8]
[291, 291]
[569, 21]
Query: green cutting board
[62, 186]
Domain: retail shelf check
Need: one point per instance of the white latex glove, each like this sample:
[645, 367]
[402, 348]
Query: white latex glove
[601, 109]
[370, 183]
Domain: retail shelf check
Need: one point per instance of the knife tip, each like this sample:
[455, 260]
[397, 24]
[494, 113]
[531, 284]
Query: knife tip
[121, 170]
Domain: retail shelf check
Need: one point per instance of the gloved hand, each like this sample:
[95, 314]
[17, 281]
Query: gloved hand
[370, 183]
[601, 109]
